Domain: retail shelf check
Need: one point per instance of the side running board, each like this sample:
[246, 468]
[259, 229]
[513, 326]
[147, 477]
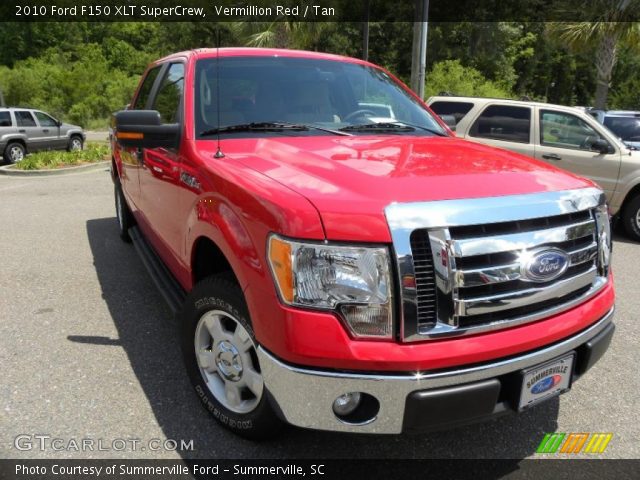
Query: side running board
[169, 287]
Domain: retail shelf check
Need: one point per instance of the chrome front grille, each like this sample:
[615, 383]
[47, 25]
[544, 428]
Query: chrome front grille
[465, 265]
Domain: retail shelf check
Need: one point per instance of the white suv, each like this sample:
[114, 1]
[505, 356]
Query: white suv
[565, 137]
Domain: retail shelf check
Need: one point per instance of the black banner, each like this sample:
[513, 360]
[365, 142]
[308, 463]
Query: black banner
[318, 10]
[317, 469]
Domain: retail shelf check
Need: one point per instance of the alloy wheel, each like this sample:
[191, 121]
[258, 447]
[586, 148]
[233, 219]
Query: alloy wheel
[228, 361]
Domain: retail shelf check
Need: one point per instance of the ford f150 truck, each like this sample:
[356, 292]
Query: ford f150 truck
[336, 268]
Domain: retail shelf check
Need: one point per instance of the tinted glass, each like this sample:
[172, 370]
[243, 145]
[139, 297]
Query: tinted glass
[457, 109]
[559, 129]
[25, 119]
[45, 120]
[627, 128]
[145, 89]
[5, 119]
[315, 92]
[503, 122]
[167, 101]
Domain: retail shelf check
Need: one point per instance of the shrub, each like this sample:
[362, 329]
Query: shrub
[451, 76]
[94, 152]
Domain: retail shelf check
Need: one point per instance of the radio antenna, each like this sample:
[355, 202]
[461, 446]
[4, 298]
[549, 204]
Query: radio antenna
[218, 153]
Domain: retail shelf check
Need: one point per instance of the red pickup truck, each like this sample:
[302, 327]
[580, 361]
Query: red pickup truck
[338, 260]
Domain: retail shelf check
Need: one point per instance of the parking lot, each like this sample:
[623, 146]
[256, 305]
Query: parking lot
[88, 350]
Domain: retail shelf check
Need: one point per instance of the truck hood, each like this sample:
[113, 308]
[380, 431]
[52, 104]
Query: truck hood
[350, 180]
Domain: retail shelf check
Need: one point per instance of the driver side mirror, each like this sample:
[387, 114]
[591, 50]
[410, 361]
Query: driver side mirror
[602, 146]
[143, 129]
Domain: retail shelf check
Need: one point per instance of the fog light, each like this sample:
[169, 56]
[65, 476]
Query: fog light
[346, 404]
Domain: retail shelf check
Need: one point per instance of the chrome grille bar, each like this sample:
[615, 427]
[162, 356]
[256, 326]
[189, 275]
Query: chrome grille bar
[522, 241]
[507, 273]
[521, 298]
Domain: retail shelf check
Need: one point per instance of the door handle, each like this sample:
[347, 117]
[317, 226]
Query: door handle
[551, 156]
[45, 130]
[22, 130]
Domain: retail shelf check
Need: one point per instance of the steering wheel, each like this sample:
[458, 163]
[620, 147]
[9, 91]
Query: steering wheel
[588, 142]
[357, 114]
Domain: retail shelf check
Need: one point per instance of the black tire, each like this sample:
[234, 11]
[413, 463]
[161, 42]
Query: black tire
[219, 293]
[13, 149]
[123, 214]
[75, 143]
[631, 218]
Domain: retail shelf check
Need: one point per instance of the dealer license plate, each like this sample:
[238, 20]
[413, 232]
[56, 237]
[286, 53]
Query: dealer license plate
[545, 381]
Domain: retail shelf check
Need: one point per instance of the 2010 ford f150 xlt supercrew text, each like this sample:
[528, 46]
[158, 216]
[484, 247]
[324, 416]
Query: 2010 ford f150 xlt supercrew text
[338, 260]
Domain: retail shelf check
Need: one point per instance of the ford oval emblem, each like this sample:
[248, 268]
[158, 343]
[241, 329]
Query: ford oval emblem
[545, 265]
[546, 384]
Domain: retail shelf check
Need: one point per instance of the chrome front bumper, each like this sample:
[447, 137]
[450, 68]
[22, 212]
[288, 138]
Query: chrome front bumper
[304, 397]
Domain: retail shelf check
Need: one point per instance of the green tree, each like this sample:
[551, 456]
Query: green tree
[615, 23]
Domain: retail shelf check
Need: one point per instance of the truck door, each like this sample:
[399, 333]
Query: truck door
[565, 140]
[160, 174]
[131, 158]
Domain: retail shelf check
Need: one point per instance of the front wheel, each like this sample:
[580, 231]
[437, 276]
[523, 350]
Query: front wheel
[75, 144]
[123, 214]
[631, 218]
[220, 354]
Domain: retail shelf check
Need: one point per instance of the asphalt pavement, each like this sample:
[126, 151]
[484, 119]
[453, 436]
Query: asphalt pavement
[89, 351]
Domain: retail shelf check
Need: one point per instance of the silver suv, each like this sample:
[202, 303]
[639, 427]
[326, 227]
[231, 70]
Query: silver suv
[25, 130]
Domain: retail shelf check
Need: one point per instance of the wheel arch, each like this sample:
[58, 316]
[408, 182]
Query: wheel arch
[631, 194]
[207, 259]
[16, 139]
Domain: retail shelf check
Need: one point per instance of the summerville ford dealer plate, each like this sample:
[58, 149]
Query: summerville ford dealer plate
[546, 381]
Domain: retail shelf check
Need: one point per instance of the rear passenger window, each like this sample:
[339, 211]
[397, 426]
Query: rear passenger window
[145, 89]
[25, 119]
[170, 93]
[5, 119]
[502, 122]
[457, 109]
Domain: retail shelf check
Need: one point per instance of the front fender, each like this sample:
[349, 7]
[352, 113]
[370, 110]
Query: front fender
[75, 131]
[219, 224]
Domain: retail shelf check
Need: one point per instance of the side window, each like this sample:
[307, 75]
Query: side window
[5, 119]
[145, 89]
[167, 101]
[563, 130]
[457, 109]
[25, 119]
[45, 120]
[503, 122]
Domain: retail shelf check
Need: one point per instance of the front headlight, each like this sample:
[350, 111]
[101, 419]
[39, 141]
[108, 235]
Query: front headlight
[352, 280]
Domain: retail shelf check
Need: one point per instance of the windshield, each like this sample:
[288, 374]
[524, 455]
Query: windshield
[627, 128]
[328, 94]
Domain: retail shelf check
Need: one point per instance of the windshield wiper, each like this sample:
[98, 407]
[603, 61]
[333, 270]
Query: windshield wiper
[267, 127]
[397, 126]
[378, 127]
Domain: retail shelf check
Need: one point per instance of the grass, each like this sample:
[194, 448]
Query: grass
[92, 153]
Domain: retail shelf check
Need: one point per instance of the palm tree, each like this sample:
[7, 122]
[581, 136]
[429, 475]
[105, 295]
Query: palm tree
[282, 33]
[614, 24]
